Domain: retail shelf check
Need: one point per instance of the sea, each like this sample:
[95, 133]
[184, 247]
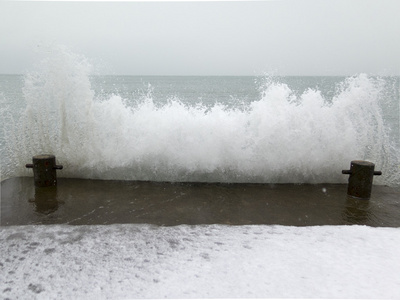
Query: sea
[230, 129]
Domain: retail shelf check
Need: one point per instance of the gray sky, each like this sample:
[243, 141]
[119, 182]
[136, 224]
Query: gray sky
[288, 37]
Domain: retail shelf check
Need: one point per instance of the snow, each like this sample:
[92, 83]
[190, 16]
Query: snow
[203, 261]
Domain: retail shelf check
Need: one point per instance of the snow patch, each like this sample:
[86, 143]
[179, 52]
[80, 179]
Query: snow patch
[145, 261]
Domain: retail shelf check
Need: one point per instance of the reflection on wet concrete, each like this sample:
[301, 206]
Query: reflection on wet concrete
[78, 201]
[357, 211]
[45, 200]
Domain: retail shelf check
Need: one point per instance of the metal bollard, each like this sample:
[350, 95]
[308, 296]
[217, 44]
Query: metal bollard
[44, 170]
[360, 180]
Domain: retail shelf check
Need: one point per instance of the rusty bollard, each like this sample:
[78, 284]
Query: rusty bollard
[360, 180]
[44, 170]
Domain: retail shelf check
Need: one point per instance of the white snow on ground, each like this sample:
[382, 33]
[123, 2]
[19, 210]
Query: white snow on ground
[145, 261]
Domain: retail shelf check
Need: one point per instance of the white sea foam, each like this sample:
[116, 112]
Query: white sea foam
[279, 138]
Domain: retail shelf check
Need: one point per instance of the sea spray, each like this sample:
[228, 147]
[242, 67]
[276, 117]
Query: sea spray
[283, 137]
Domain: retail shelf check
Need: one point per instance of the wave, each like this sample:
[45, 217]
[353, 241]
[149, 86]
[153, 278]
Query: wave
[280, 138]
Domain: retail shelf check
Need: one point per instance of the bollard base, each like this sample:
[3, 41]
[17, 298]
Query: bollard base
[44, 170]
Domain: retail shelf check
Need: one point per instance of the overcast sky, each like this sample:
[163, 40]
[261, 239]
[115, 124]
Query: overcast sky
[288, 37]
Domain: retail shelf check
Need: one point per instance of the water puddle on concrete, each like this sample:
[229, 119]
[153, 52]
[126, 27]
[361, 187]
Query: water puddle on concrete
[93, 202]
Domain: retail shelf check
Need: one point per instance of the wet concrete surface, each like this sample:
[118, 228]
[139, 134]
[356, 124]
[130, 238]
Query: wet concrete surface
[93, 202]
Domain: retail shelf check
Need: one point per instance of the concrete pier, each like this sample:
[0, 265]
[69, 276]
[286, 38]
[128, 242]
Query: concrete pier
[100, 202]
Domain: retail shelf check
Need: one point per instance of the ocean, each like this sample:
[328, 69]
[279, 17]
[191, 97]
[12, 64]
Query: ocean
[158, 168]
[195, 155]
[230, 129]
